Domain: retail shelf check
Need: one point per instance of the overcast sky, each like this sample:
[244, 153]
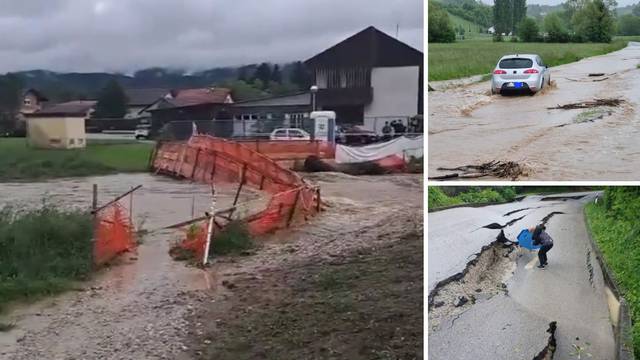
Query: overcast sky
[127, 35]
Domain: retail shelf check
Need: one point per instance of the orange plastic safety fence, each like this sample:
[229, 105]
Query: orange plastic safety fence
[291, 150]
[208, 159]
[113, 234]
[195, 240]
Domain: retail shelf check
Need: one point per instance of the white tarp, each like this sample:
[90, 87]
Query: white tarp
[404, 147]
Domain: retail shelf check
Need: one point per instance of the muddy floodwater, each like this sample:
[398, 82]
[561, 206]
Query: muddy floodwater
[135, 308]
[468, 126]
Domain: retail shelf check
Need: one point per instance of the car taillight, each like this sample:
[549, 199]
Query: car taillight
[531, 71]
[499, 72]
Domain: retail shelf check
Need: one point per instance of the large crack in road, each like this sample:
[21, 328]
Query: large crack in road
[498, 305]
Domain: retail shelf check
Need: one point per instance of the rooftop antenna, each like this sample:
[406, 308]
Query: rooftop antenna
[397, 29]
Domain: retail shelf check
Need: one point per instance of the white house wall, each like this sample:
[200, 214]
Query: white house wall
[395, 95]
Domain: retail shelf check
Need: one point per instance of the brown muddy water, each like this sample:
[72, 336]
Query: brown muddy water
[136, 309]
[468, 126]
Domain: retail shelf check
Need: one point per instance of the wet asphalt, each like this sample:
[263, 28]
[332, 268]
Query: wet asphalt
[571, 291]
[468, 126]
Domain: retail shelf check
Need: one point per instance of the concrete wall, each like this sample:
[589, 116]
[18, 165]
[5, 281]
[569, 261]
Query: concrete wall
[56, 132]
[395, 94]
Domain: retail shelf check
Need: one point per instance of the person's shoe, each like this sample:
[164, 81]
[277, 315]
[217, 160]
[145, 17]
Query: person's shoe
[541, 266]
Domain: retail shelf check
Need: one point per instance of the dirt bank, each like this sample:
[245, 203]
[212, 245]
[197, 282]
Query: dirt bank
[348, 285]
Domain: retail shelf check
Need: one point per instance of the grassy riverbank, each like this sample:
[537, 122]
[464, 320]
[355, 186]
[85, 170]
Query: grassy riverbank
[42, 251]
[20, 162]
[615, 227]
[479, 55]
[439, 197]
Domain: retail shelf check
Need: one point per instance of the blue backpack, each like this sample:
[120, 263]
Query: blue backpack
[525, 239]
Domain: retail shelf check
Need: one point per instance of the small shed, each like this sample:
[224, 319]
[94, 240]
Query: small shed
[60, 126]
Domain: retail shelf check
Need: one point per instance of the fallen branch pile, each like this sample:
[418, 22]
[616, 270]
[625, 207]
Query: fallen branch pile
[498, 169]
[589, 104]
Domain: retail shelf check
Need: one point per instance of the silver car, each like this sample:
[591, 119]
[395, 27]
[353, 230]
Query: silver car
[520, 72]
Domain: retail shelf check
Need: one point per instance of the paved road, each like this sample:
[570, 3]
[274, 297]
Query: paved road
[570, 291]
[468, 126]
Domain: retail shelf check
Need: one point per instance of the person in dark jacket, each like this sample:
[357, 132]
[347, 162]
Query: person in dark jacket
[542, 238]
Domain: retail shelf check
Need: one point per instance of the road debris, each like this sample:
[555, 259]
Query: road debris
[589, 104]
[499, 169]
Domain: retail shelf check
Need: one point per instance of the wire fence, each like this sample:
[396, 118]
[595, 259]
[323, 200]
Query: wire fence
[371, 129]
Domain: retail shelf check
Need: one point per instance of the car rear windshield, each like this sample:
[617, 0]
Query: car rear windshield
[515, 63]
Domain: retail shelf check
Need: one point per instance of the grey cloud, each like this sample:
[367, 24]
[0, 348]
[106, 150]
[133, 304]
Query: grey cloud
[126, 35]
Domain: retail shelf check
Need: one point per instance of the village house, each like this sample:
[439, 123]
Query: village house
[60, 126]
[203, 106]
[369, 78]
[141, 99]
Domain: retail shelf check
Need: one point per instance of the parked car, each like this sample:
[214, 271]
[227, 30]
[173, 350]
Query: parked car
[289, 134]
[355, 134]
[142, 132]
[520, 72]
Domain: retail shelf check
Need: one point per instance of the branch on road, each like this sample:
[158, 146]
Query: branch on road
[499, 169]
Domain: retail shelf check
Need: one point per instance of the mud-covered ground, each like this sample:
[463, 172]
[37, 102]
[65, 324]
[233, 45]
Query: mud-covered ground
[469, 126]
[357, 267]
[347, 285]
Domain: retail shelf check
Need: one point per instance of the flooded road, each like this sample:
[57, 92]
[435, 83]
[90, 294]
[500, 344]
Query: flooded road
[134, 310]
[468, 126]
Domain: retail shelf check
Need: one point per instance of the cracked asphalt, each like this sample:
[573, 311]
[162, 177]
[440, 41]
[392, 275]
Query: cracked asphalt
[570, 291]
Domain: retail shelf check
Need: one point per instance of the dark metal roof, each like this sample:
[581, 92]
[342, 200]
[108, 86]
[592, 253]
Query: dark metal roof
[71, 108]
[371, 48]
[143, 97]
[296, 99]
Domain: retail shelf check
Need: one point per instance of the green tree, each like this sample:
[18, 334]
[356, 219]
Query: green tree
[263, 73]
[276, 74]
[112, 101]
[629, 25]
[528, 30]
[10, 101]
[440, 27]
[519, 12]
[636, 10]
[555, 29]
[594, 22]
[300, 76]
[503, 16]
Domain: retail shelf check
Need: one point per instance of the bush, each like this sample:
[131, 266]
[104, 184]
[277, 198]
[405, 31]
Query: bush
[233, 239]
[437, 198]
[528, 30]
[555, 29]
[440, 27]
[594, 22]
[42, 251]
[629, 25]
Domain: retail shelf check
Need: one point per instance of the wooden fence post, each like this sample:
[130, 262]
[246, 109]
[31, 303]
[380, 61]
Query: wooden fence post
[293, 209]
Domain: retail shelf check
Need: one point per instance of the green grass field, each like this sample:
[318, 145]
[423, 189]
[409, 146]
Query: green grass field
[20, 162]
[42, 252]
[619, 240]
[479, 55]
